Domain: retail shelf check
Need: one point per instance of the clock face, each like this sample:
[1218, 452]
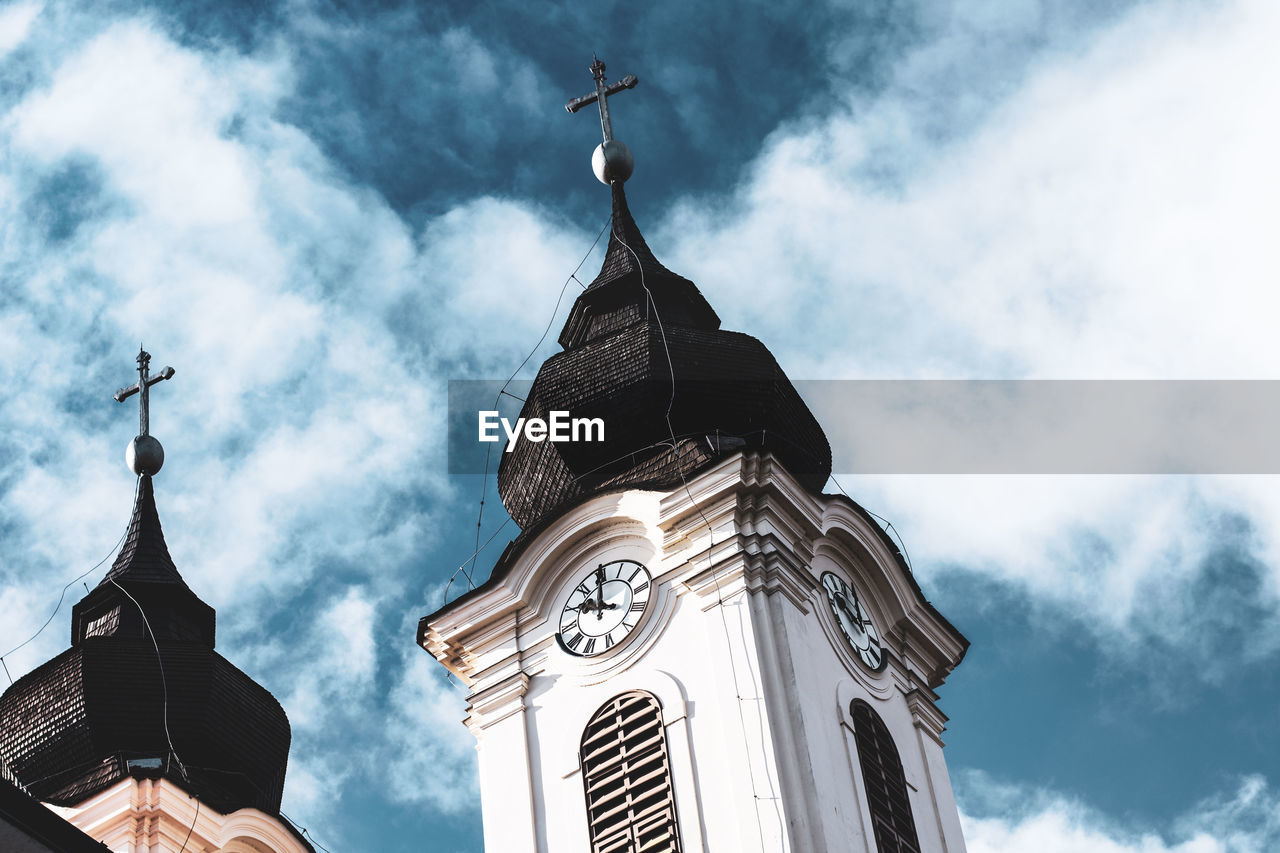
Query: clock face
[854, 621]
[604, 608]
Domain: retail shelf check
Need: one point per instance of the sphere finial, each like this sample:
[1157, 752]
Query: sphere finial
[612, 161]
[144, 455]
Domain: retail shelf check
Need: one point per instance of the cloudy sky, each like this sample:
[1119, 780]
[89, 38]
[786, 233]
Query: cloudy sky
[319, 212]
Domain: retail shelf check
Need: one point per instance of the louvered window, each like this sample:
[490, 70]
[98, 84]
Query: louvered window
[105, 625]
[630, 805]
[884, 781]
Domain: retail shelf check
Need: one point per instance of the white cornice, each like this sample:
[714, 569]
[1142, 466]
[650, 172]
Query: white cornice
[926, 715]
[158, 815]
[927, 643]
[745, 523]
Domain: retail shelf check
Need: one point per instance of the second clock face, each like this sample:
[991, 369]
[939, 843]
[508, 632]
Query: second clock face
[854, 620]
[604, 608]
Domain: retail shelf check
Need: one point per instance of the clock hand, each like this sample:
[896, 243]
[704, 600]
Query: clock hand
[850, 612]
[857, 611]
[600, 591]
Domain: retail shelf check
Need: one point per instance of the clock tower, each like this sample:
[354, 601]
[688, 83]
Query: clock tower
[690, 647]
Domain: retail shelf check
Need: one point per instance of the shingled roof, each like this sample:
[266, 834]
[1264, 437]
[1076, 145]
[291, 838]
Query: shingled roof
[141, 692]
[632, 286]
[644, 352]
[144, 556]
[626, 246]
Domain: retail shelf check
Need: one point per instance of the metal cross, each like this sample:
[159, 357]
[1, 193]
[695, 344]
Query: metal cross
[144, 383]
[601, 95]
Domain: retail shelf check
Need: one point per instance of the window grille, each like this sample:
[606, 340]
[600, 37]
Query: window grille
[886, 786]
[627, 774]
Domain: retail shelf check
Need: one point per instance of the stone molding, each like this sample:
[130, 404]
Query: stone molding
[156, 815]
[745, 525]
[925, 714]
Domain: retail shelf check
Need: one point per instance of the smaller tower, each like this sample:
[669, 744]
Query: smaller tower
[141, 734]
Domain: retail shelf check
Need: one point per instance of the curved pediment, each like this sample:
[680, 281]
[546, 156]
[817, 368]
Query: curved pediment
[852, 539]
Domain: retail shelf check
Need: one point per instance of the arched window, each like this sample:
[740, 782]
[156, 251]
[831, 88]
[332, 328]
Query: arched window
[884, 782]
[630, 805]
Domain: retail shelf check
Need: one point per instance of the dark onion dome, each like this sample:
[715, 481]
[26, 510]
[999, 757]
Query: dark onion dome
[730, 394]
[98, 712]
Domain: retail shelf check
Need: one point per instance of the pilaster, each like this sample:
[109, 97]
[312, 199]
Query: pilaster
[496, 716]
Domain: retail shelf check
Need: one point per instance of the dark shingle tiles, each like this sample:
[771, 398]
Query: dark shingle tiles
[637, 334]
[71, 727]
[626, 246]
[144, 555]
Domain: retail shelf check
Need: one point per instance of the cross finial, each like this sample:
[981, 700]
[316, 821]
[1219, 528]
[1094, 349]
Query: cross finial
[145, 455]
[612, 160]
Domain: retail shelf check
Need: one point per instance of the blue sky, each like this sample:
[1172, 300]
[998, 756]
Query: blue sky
[321, 212]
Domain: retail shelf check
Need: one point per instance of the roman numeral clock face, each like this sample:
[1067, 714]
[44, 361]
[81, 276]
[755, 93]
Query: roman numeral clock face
[604, 608]
[854, 621]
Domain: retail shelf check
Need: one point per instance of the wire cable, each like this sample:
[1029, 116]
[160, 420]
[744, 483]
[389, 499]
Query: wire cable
[679, 467]
[475, 554]
[715, 576]
[63, 594]
[888, 525]
[164, 684]
[305, 833]
[250, 781]
[191, 828]
[488, 453]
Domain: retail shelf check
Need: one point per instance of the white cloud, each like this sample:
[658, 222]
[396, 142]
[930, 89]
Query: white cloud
[151, 113]
[1105, 212]
[413, 745]
[1012, 818]
[303, 430]
[501, 285]
[431, 754]
[324, 669]
[241, 259]
[15, 23]
[1108, 218]
[1127, 559]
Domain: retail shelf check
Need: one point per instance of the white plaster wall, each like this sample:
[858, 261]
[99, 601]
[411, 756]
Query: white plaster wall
[747, 662]
[831, 677]
[507, 785]
[687, 671]
[725, 749]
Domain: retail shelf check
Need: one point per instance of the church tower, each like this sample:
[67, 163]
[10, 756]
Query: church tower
[140, 734]
[690, 647]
